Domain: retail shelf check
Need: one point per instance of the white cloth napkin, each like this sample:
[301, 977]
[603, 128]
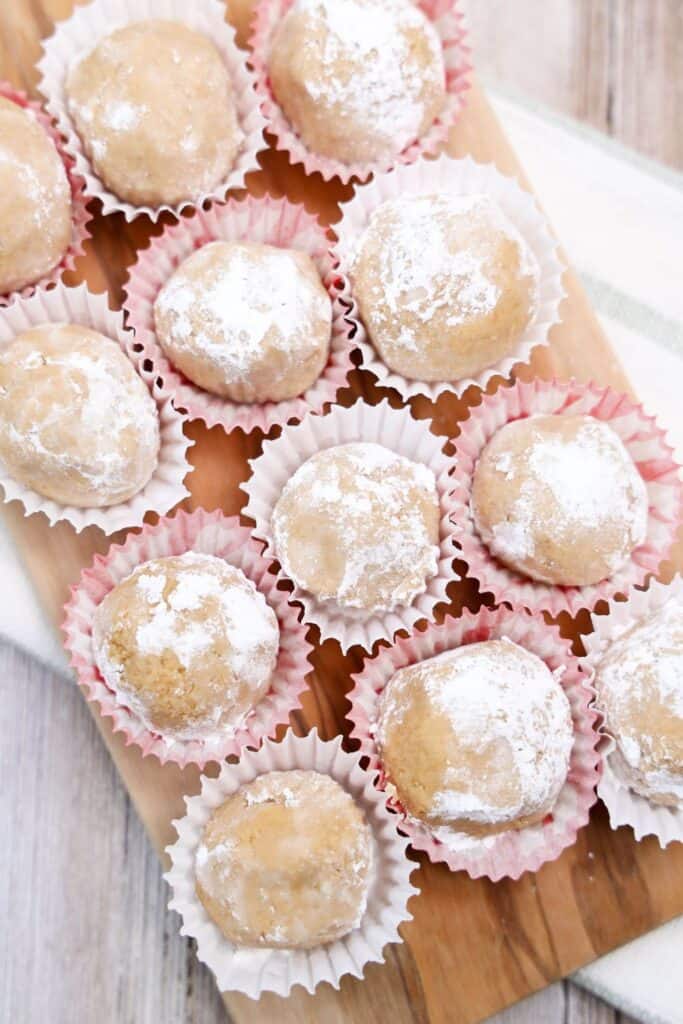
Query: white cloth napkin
[620, 218]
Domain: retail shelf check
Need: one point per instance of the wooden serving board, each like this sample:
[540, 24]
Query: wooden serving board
[473, 947]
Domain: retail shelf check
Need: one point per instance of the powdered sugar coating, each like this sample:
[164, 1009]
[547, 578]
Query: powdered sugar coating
[359, 79]
[477, 739]
[247, 321]
[153, 104]
[358, 524]
[77, 423]
[188, 643]
[559, 499]
[35, 199]
[286, 861]
[639, 683]
[445, 284]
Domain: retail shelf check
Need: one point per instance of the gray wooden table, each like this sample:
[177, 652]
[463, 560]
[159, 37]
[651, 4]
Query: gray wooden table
[85, 937]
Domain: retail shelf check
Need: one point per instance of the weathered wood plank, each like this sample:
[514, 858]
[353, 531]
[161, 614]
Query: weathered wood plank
[546, 1007]
[85, 934]
[615, 64]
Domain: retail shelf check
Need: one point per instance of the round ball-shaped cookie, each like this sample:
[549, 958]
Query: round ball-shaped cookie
[640, 692]
[188, 643]
[77, 423]
[359, 80]
[559, 499]
[153, 105]
[245, 321]
[476, 740]
[285, 862]
[445, 285]
[359, 525]
[35, 200]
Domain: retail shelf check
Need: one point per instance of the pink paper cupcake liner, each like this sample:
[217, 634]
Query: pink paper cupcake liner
[448, 19]
[267, 220]
[463, 177]
[211, 534]
[509, 854]
[166, 486]
[80, 216]
[644, 441]
[254, 971]
[394, 429]
[625, 807]
[90, 23]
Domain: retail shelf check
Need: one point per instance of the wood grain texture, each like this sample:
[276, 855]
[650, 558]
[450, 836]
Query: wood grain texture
[615, 64]
[81, 898]
[561, 1004]
[473, 947]
[89, 937]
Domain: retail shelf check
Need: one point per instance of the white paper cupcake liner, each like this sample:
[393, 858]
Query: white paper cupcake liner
[254, 971]
[457, 177]
[166, 487]
[624, 806]
[266, 220]
[210, 533]
[90, 23]
[394, 429]
[449, 22]
[80, 215]
[643, 439]
[507, 854]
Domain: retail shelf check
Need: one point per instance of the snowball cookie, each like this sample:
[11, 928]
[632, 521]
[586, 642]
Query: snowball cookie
[77, 423]
[35, 200]
[359, 525]
[640, 692]
[154, 107]
[476, 740]
[359, 80]
[445, 285]
[285, 862]
[246, 321]
[188, 643]
[559, 499]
